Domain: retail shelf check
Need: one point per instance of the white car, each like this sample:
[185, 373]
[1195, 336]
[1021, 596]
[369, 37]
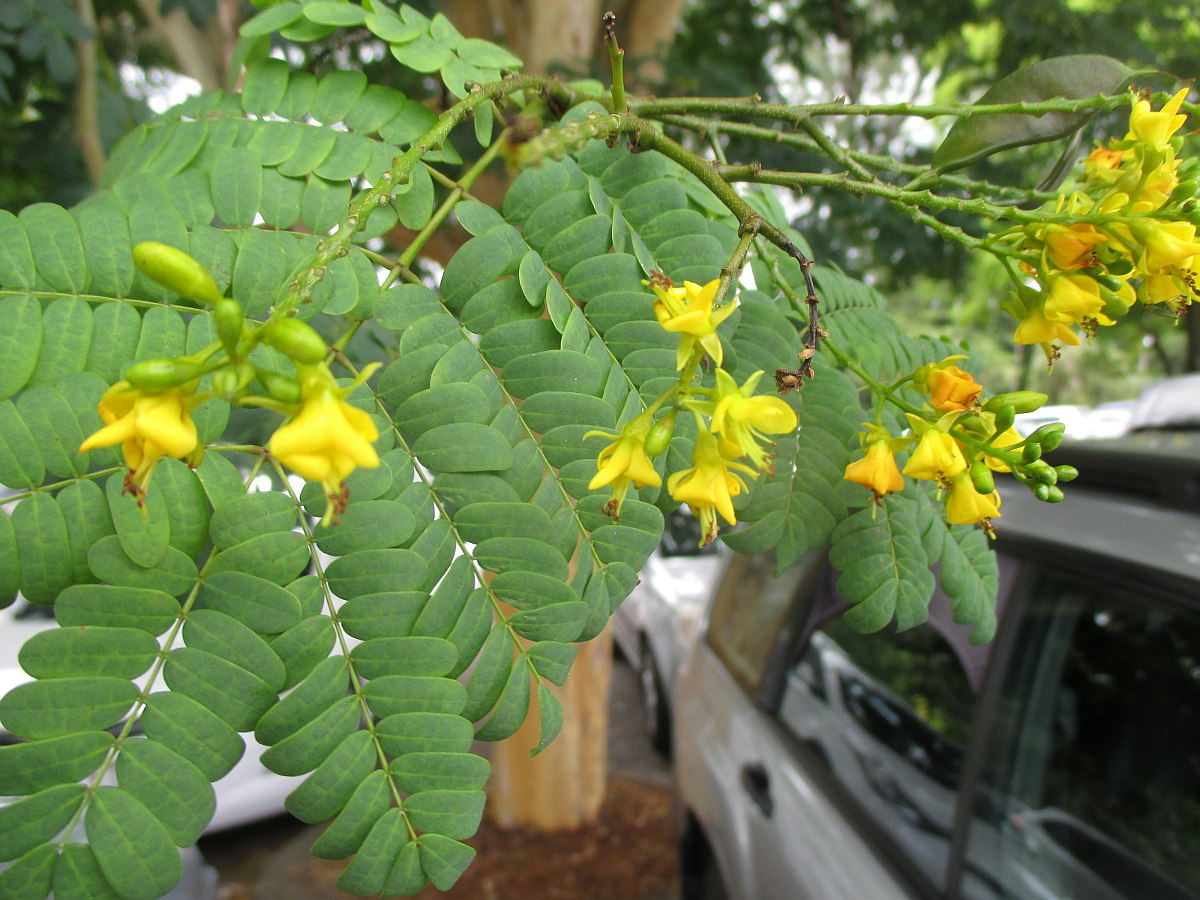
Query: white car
[654, 626]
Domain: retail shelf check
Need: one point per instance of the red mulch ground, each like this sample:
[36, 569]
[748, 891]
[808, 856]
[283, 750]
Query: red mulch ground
[627, 854]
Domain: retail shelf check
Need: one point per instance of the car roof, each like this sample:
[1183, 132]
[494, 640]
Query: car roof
[1170, 403]
[1136, 502]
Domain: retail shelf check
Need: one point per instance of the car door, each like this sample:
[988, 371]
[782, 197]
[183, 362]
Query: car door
[1090, 782]
[776, 832]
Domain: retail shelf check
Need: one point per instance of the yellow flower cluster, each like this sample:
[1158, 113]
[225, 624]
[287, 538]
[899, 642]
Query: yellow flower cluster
[956, 442]
[149, 413]
[1121, 236]
[733, 423]
[324, 440]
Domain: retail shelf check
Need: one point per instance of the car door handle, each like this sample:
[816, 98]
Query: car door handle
[757, 785]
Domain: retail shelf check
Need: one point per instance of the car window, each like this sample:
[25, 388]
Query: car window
[888, 716]
[749, 609]
[1092, 787]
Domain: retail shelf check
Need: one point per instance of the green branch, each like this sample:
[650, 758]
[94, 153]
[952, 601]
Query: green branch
[753, 107]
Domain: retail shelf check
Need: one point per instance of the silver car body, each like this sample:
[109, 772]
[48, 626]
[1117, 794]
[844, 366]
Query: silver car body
[770, 821]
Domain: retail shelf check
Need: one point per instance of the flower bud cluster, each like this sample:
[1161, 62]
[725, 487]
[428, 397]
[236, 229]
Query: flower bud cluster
[732, 422]
[1125, 233]
[148, 413]
[958, 441]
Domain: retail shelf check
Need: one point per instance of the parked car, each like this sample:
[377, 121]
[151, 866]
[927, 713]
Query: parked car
[657, 622]
[1172, 403]
[1060, 760]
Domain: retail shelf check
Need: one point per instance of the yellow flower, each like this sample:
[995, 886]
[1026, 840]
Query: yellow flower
[148, 427]
[327, 439]
[743, 420]
[950, 388]
[937, 457]
[1101, 162]
[1035, 328]
[1155, 127]
[709, 486]
[877, 470]
[1072, 298]
[624, 462]
[966, 506]
[688, 311]
[1177, 287]
[1165, 244]
[1071, 247]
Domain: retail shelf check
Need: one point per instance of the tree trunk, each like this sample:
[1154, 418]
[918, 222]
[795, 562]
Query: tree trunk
[563, 786]
[567, 32]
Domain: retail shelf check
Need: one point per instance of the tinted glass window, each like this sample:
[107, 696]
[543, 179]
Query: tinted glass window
[1092, 790]
[749, 610]
[889, 717]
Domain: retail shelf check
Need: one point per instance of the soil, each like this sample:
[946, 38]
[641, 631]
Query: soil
[629, 853]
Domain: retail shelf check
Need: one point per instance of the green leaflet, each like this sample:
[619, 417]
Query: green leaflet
[134, 850]
[233, 641]
[193, 732]
[328, 789]
[319, 690]
[239, 697]
[969, 576]
[255, 602]
[372, 864]
[37, 818]
[20, 341]
[443, 859]
[308, 747]
[366, 805]
[550, 715]
[30, 876]
[885, 572]
[77, 874]
[31, 767]
[429, 771]
[170, 787]
[88, 651]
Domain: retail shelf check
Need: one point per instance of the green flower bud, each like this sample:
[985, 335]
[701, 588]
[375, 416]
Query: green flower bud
[1049, 436]
[1020, 401]
[281, 387]
[230, 321]
[151, 375]
[1048, 493]
[1066, 473]
[1005, 416]
[981, 477]
[1042, 471]
[660, 435]
[226, 382]
[176, 271]
[1031, 452]
[296, 339]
